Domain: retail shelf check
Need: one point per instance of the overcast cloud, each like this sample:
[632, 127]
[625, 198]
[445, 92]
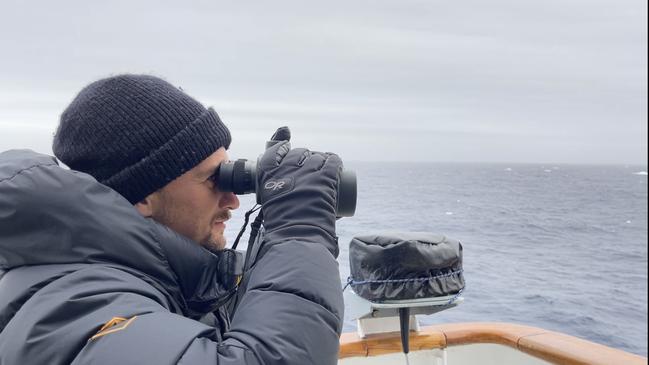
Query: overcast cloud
[500, 81]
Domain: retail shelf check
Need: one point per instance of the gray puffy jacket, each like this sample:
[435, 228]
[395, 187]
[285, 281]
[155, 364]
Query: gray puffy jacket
[84, 279]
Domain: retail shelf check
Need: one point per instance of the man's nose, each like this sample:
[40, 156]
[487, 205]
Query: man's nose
[229, 201]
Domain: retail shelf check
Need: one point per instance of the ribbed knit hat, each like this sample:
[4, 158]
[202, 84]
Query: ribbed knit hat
[136, 133]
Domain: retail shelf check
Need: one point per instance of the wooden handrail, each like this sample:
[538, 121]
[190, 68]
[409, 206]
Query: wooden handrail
[551, 346]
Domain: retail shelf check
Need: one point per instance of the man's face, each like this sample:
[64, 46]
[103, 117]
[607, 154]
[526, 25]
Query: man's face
[193, 206]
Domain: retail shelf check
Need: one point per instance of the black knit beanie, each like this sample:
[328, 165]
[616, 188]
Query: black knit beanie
[136, 133]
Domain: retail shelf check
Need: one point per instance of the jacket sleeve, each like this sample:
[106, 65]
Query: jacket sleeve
[292, 309]
[291, 313]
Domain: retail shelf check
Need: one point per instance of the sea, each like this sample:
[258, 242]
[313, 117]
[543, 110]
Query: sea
[561, 247]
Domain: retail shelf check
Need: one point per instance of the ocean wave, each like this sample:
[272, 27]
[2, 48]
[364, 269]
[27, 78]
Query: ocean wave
[538, 299]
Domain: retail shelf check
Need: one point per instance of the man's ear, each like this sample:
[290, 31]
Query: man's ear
[145, 206]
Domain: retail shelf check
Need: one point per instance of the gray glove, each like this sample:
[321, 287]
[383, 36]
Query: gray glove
[297, 190]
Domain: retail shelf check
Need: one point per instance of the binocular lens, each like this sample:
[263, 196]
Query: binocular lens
[237, 176]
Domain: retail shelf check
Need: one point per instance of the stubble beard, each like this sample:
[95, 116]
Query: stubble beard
[214, 244]
[167, 215]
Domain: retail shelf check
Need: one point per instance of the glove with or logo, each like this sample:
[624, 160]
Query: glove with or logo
[297, 190]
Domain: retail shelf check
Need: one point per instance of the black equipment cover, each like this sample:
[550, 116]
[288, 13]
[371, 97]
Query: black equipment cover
[405, 265]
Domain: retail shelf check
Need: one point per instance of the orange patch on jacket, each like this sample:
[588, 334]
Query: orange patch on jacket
[115, 324]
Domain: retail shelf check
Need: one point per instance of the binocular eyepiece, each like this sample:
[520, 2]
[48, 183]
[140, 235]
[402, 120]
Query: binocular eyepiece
[240, 177]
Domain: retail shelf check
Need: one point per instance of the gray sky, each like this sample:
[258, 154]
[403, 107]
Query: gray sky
[498, 81]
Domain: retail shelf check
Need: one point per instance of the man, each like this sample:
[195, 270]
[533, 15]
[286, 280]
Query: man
[121, 259]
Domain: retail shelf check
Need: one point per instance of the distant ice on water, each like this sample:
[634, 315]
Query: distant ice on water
[642, 173]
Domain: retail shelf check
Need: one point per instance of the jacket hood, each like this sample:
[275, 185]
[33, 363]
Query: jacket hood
[50, 215]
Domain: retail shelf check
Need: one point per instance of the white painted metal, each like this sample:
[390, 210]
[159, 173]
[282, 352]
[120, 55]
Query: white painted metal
[370, 326]
[427, 357]
[490, 354]
[484, 354]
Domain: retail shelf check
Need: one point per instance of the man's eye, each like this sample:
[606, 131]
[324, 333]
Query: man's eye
[214, 178]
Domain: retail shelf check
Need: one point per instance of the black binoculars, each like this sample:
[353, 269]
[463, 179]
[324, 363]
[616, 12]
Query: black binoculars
[240, 177]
